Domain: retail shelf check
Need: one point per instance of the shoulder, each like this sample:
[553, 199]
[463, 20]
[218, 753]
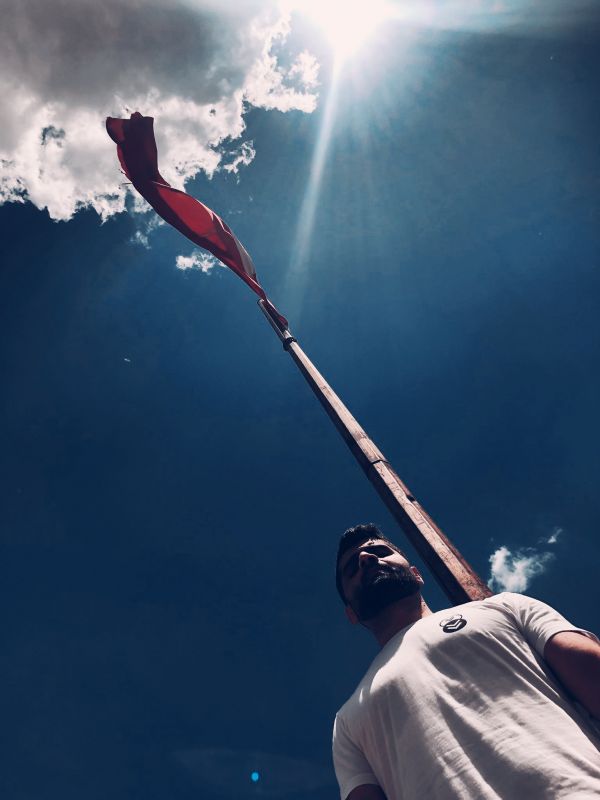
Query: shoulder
[512, 603]
[498, 615]
[537, 621]
[521, 606]
[509, 600]
[513, 599]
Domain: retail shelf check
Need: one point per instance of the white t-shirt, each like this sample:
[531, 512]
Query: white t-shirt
[461, 705]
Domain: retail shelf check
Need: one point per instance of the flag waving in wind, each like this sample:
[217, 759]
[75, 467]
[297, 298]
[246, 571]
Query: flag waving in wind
[136, 148]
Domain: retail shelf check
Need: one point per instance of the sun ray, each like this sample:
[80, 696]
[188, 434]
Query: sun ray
[295, 285]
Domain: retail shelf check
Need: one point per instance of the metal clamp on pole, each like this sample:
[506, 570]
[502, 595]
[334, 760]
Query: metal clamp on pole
[285, 336]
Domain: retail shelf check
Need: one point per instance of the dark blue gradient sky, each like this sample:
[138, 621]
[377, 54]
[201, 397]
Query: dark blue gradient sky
[169, 521]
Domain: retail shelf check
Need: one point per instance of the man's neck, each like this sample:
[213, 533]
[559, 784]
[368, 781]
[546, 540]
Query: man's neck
[397, 616]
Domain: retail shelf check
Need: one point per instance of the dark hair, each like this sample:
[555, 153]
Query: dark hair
[351, 538]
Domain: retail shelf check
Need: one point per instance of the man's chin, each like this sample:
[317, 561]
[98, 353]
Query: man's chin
[381, 594]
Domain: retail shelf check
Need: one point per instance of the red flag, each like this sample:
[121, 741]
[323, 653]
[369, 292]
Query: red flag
[136, 148]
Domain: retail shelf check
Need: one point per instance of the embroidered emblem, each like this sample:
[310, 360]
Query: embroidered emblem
[453, 624]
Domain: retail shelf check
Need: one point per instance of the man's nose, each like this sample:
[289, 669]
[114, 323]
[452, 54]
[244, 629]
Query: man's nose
[366, 560]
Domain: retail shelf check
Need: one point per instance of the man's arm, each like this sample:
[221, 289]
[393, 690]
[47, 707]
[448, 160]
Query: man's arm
[366, 792]
[575, 660]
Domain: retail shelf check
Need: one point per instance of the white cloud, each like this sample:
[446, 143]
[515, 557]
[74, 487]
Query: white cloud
[146, 225]
[513, 571]
[306, 69]
[198, 259]
[269, 85]
[240, 157]
[553, 538]
[194, 66]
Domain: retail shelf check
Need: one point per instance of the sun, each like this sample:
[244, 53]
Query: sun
[347, 24]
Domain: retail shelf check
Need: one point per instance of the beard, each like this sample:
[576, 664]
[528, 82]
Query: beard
[381, 587]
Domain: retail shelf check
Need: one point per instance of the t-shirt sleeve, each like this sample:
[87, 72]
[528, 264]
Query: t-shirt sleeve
[351, 767]
[538, 621]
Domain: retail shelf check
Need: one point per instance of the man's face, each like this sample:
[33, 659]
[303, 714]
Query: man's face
[374, 575]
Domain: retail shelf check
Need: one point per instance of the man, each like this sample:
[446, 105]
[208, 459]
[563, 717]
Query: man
[490, 699]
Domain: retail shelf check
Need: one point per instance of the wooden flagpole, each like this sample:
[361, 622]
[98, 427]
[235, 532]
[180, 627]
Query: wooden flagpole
[452, 572]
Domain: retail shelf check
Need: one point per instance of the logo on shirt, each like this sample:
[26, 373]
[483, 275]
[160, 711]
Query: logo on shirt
[452, 624]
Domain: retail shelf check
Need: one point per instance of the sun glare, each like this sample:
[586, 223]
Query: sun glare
[347, 24]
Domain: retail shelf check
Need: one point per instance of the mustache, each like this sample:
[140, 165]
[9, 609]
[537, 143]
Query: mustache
[372, 572]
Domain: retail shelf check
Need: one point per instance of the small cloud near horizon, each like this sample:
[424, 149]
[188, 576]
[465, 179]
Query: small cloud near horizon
[513, 571]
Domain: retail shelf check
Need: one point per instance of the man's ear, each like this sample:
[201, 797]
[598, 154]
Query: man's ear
[417, 574]
[351, 615]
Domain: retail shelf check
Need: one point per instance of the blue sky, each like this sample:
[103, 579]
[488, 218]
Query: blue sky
[172, 493]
